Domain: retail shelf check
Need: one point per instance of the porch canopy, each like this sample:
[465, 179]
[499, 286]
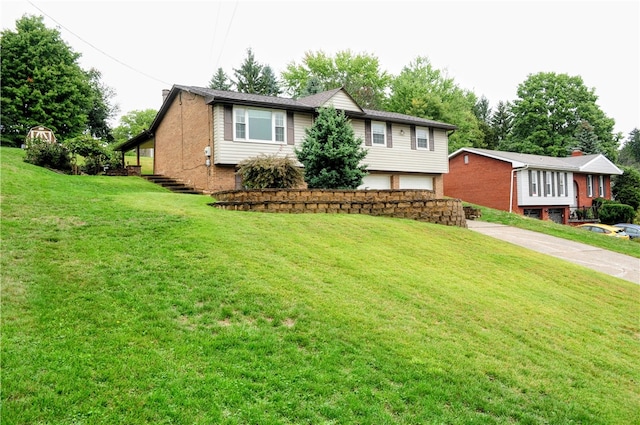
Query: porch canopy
[143, 140]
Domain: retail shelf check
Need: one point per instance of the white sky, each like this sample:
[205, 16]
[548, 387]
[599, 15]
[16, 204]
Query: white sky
[489, 47]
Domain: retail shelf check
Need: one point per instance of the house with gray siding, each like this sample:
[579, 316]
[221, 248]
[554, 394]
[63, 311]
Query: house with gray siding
[200, 136]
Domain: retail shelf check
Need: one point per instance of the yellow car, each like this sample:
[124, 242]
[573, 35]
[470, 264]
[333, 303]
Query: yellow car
[605, 229]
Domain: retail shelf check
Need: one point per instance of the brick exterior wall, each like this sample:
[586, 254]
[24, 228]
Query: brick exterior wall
[421, 205]
[482, 181]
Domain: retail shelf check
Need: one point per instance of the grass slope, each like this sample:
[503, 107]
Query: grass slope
[123, 303]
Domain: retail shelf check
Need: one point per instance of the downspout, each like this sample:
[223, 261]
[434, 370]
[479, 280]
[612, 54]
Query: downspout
[513, 171]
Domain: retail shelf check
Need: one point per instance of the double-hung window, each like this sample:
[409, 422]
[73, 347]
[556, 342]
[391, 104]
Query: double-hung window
[421, 138]
[533, 183]
[561, 184]
[601, 186]
[378, 133]
[590, 186]
[259, 125]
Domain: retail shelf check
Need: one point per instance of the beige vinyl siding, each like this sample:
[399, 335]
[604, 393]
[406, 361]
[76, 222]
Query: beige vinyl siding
[401, 157]
[341, 101]
[232, 152]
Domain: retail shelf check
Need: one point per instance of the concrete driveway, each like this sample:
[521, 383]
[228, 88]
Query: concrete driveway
[612, 263]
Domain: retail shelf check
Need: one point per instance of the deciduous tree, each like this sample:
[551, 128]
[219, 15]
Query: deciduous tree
[424, 91]
[548, 112]
[133, 123]
[43, 84]
[359, 74]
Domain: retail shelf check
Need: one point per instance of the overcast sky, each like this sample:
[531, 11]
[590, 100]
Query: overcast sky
[142, 47]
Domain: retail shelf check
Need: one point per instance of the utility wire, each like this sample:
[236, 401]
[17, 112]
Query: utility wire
[96, 48]
[226, 34]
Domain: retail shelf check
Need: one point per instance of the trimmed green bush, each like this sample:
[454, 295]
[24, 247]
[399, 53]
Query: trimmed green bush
[611, 213]
[270, 172]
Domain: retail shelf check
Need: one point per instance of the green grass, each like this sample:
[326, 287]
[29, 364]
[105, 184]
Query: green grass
[146, 163]
[628, 247]
[123, 303]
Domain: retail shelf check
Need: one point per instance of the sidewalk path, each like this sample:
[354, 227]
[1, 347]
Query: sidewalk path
[618, 265]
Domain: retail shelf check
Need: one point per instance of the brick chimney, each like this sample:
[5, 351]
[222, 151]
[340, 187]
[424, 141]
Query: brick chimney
[576, 152]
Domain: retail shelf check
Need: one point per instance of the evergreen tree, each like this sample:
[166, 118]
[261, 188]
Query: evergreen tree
[331, 154]
[268, 82]
[630, 152]
[248, 76]
[43, 84]
[313, 86]
[220, 81]
[501, 123]
[626, 187]
[482, 111]
[586, 140]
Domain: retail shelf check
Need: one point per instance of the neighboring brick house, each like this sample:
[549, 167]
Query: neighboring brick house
[544, 187]
[200, 135]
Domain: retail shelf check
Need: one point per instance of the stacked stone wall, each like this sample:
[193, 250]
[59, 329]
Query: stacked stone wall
[420, 205]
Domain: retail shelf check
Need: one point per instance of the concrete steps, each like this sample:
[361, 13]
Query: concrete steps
[172, 184]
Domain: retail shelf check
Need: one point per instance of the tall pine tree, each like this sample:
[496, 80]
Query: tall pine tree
[220, 81]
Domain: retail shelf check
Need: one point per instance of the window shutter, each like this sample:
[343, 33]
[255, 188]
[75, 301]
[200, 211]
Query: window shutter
[228, 122]
[413, 137]
[367, 132]
[530, 185]
[389, 136]
[431, 141]
[290, 133]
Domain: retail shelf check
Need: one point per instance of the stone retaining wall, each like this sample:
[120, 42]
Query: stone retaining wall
[415, 204]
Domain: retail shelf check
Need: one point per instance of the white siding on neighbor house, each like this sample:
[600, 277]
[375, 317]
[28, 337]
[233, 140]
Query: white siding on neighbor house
[600, 165]
[401, 157]
[341, 101]
[376, 181]
[416, 182]
[233, 152]
[524, 199]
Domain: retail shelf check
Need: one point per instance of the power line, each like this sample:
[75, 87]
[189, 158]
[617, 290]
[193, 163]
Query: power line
[226, 34]
[98, 49]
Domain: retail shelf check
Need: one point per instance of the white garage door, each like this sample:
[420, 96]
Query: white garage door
[416, 182]
[376, 181]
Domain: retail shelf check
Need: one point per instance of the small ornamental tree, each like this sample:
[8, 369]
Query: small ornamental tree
[331, 154]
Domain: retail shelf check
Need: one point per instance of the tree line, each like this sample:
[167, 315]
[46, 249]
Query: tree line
[43, 84]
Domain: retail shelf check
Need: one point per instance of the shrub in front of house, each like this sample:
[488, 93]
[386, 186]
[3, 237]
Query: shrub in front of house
[270, 172]
[97, 157]
[47, 154]
[612, 212]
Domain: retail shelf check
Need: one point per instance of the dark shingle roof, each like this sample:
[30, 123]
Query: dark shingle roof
[305, 104]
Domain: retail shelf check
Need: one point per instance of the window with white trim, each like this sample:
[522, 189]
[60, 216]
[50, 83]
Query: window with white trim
[533, 175]
[378, 133]
[562, 177]
[422, 141]
[590, 186]
[259, 125]
[601, 186]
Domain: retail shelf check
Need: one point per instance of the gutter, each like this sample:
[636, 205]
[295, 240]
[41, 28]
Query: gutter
[513, 171]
